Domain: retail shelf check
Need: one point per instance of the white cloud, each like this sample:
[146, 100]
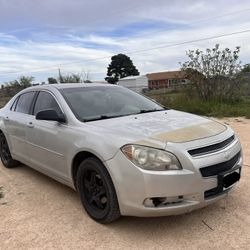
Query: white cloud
[64, 40]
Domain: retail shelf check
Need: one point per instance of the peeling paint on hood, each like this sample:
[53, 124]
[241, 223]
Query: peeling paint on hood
[191, 133]
[150, 129]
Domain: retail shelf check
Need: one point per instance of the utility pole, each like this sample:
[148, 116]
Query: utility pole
[60, 76]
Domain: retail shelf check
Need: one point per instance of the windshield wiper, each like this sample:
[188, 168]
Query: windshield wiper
[149, 110]
[101, 117]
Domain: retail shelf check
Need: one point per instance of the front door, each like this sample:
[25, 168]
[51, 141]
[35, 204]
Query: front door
[46, 145]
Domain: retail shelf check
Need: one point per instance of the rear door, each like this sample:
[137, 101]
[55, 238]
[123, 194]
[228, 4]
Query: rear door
[16, 122]
[46, 142]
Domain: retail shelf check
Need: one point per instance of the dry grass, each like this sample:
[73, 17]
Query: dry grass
[3, 101]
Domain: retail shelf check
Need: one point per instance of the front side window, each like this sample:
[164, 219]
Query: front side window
[46, 101]
[94, 103]
[24, 102]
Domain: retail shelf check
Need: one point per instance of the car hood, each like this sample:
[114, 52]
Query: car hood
[162, 126]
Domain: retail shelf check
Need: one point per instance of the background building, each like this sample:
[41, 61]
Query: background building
[158, 80]
[166, 79]
[136, 83]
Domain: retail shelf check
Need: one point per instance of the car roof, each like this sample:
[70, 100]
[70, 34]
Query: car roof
[69, 85]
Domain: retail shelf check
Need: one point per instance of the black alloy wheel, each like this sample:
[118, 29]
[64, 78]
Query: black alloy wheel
[5, 154]
[97, 191]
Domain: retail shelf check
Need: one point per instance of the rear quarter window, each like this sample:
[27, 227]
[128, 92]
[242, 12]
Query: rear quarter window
[13, 106]
[24, 102]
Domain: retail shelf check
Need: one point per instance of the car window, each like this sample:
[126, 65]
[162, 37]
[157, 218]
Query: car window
[46, 101]
[92, 103]
[13, 106]
[24, 102]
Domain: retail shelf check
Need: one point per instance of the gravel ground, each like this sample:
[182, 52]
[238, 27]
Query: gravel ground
[39, 213]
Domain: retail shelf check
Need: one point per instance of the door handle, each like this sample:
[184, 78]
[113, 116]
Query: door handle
[6, 118]
[30, 125]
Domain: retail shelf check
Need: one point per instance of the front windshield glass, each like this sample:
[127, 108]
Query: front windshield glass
[102, 102]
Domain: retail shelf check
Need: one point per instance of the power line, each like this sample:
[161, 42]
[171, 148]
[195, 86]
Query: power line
[93, 20]
[163, 31]
[191, 41]
[133, 52]
[187, 24]
[191, 23]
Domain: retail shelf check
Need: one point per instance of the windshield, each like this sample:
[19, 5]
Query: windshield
[95, 103]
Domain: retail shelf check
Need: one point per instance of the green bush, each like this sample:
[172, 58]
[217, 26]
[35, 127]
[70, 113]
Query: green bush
[193, 104]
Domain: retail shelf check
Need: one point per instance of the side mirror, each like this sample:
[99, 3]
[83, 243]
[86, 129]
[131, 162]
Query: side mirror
[50, 115]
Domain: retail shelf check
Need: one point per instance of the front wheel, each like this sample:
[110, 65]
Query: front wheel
[97, 191]
[5, 154]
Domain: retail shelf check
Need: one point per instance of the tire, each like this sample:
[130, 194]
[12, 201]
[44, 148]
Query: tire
[5, 154]
[97, 191]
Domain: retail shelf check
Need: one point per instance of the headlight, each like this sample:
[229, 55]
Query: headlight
[151, 158]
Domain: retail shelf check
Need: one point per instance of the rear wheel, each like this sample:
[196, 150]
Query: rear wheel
[5, 154]
[97, 191]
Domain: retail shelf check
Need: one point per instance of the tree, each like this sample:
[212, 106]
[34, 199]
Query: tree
[52, 80]
[22, 82]
[70, 78]
[245, 74]
[246, 68]
[121, 66]
[26, 81]
[13, 87]
[214, 73]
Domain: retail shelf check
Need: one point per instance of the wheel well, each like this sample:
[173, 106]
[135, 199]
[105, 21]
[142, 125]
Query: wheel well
[78, 159]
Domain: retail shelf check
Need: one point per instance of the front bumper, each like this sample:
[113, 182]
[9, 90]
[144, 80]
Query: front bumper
[184, 190]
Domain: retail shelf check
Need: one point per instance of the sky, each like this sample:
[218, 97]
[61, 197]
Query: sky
[37, 37]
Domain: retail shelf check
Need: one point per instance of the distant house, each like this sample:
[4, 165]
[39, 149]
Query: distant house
[166, 79]
[136, 83]
[156, 80]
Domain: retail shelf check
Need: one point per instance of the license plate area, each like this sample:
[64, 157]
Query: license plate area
[225, 181]
[229, 179]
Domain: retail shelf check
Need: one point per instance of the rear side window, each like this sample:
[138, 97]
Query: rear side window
[13, 106]
[24, 102]
[46, 101]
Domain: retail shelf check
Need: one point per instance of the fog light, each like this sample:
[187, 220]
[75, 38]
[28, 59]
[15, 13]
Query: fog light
[162, 201]
[154, 202]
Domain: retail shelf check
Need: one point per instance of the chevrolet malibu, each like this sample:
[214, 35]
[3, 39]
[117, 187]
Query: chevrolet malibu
[124, 153]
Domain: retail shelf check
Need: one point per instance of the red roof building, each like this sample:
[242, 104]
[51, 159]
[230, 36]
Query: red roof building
[166, 79]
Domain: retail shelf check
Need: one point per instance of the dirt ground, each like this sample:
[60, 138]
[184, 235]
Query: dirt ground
[40, 213]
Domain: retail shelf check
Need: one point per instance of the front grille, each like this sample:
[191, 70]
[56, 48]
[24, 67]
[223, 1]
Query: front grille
[211, 148]
[220, 167]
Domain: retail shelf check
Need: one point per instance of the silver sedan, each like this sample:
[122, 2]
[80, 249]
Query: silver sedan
[122, 152]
